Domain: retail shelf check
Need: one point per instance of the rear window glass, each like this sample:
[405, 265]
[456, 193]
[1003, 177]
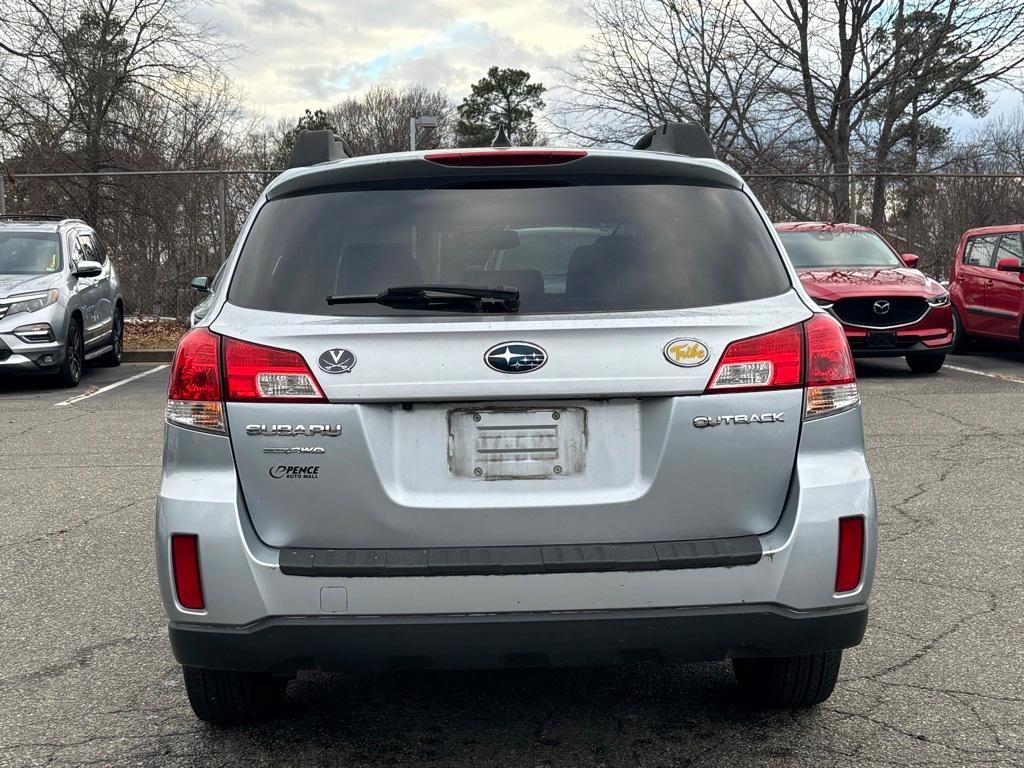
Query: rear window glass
[567, 247]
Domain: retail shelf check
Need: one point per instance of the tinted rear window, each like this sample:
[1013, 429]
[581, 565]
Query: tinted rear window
[595, 247]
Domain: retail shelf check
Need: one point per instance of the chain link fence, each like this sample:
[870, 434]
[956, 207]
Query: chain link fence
[165, 227]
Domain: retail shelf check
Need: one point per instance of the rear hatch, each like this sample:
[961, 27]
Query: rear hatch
[581, 416]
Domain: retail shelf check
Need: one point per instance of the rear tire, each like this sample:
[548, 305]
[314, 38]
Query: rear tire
[790, 682]
[925, 362]
[113, 358]
[233, 698]
[70, 371]
[961, 339]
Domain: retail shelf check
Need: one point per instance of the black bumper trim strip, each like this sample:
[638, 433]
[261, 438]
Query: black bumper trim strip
[571, 558]
[286, 645]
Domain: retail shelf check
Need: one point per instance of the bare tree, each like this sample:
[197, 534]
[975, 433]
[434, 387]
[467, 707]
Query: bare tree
[76, 71]
[652, 61]
[848, 62]
[379, 120]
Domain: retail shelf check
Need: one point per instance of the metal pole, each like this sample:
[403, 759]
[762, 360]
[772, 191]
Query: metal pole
[3, 197]
[412, 134]
[220, 210]
[853, 194]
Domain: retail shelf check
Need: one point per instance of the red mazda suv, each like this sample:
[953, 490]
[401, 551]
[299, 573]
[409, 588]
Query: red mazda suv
[986, 284]
[888, 308]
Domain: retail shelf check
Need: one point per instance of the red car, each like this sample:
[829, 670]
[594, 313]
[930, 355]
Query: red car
[986, 284]
[887, 306]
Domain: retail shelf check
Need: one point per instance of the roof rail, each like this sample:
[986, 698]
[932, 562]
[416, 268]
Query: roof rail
[678, 138]
[32, 217]
[312, 147]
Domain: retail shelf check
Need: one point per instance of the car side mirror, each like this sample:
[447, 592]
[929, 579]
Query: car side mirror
[1009, 264]
[87, 269]
[201, 284]
[910, 260]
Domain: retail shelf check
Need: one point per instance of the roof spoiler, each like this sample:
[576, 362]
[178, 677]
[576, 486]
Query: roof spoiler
[679, 139]
[312, 147]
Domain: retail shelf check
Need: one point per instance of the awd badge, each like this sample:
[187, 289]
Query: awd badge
[686, 353]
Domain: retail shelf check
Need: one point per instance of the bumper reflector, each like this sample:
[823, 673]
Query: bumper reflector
[185, 564]
[850, 562]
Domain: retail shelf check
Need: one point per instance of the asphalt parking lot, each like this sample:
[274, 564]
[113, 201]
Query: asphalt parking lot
[87, 677]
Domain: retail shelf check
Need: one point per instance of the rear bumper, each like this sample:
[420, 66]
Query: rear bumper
[462, 608]
[598, 638]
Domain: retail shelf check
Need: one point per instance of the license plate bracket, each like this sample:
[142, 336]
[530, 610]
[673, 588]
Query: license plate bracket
[882, 340]
[517, 443]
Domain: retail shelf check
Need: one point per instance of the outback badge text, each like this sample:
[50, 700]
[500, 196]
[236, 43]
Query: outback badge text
[700, 422]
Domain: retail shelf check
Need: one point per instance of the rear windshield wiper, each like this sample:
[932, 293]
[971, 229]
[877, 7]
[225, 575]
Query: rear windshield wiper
[446, 296]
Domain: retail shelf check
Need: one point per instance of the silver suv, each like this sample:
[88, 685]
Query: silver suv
[60, 298]
[386, 448]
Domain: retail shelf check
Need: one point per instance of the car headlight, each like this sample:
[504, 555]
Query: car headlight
[941, 300]
[30, 302]
[823, 303]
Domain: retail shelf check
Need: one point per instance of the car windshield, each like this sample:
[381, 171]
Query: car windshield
[603, 245]
[29, 253]
[838, 249]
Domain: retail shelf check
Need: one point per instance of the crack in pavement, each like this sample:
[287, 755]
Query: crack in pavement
[15, 545]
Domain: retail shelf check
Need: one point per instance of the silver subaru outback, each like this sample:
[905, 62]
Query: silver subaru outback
[60, 298]
[511, 407]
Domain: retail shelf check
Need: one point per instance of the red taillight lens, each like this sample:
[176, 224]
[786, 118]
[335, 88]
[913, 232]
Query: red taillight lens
[850, 562]
[258, 373]
[828, 353]
[194, 391]
[770, 361]
[195, 372]
[506, 157]
[831, 377]
[185, 564]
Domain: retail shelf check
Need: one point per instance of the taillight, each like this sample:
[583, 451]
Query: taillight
[831, 378]
[814, 355]
[251, 373]
[505, 157]
[194, 391]
[185, 566]
[770, 361]
[850, 560]
[257, 373]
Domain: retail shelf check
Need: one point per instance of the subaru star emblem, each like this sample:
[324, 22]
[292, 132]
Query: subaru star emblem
[337, 361]
[882, 307]
[515, 357]
[687, 353]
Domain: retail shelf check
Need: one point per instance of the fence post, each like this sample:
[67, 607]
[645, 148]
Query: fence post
[3, 196]
[853, 194]
[220, 211]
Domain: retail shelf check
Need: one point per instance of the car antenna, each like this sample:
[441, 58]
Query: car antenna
[500, 139]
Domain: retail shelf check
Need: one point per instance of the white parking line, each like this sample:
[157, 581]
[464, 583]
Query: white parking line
[115, 385]
[1001, 376]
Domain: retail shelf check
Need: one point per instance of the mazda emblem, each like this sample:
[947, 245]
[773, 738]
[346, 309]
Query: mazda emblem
[337, 361]
[881, 307]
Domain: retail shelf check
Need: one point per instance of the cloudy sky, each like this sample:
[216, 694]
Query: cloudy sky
[308, 53]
